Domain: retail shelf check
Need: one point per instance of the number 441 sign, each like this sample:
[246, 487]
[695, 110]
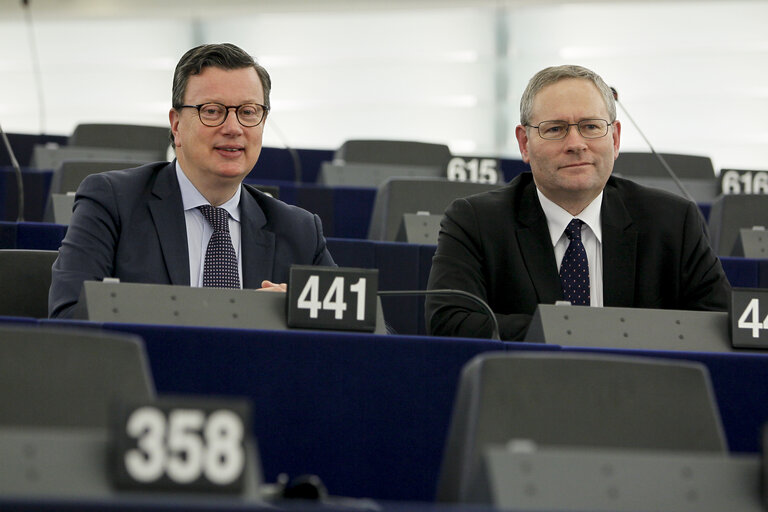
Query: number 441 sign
[749, 318]
[332, 298]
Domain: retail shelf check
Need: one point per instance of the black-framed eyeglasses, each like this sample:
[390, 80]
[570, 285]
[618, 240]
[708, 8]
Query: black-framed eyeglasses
[214, 114]
[558, 130]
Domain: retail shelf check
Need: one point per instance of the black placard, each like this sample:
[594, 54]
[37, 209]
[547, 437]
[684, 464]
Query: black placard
[749, 318]
[475, 169]
[735, 181]
[332, 298]
[175, 444]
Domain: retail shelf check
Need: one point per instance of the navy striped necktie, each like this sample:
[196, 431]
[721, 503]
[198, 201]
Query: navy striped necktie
[574, 270]
[220, 264]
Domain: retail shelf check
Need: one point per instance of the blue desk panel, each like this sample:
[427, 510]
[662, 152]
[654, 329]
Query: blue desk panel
[36, 186]
[368, 413]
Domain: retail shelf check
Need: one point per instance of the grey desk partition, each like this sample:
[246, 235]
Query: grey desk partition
[752, 243]
[570, 400]
[620, 480]
[185, 305]
[731, 213]
[648, 329]
[76, 463]
[702, 190]
[47, 157]
[419, 228]
[397, 196]
[358, 174]
[59, 210]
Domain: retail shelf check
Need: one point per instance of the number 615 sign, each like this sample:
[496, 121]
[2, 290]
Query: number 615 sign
[332, 298]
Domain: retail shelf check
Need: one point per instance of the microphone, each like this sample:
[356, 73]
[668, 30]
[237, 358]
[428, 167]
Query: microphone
[35, 65]
[657, 155]
[459, 293]
[294, 154]
[17, 170]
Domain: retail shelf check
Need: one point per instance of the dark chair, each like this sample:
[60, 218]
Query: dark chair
[67, 177]
[122, 136]
[395, 152]
[57, 377]
[367, 163]
[575, 401]
[647, 165]
[398, 196]
[731, 213]
[25, 277]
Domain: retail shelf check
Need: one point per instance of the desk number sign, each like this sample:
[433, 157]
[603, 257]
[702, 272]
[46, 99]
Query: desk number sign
[182, 444]
[332, 298]
[749, 318]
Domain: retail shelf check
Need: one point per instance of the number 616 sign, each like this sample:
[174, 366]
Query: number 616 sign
[332, 298]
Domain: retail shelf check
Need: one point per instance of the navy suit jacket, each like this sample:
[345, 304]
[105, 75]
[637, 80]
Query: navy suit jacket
[130, 224]
[496, 245]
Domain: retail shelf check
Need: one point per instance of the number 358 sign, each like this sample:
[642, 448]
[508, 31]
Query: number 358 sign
[749, 318]
[332, 298]
[180, 444]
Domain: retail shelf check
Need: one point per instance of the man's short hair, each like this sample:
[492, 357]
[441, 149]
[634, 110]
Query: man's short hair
[221, 55]
[224, 56]
[554, 74]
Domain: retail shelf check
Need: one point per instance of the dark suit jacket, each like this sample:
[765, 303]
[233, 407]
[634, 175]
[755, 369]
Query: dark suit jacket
[130, 224]
[496, 245]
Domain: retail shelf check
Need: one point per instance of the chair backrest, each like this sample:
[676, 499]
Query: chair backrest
[68, 176]
[64, 377]
[123, 136]
[630, 164]
[25, 277]
[396, 152]
[729, 214]
[579, 401]
[398, 196]
[702, 191]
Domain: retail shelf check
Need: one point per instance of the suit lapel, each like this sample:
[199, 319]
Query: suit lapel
[257, 243]
[536, 248]
[167, 212]
[619, 251]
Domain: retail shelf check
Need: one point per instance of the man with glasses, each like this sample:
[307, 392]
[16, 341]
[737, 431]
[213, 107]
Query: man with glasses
[192, 221]
[568, 230]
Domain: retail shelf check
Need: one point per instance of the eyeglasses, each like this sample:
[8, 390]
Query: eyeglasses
[558, 130]
[214, 114]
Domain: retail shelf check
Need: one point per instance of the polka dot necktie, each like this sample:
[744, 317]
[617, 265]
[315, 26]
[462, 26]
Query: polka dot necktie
[574, 270]
[220, 265]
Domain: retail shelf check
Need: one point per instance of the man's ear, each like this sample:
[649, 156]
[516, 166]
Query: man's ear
[522, 141]
[173, 117]
[616, 139]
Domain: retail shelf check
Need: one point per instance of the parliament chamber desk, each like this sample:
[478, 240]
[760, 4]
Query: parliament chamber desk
[401, 266]
[369, 413]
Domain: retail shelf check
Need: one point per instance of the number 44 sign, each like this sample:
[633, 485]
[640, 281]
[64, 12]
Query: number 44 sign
[749, 318]
[332, 298]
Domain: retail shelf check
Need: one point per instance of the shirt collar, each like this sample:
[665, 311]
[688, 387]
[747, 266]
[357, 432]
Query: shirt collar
[558, 218]
[191, 198]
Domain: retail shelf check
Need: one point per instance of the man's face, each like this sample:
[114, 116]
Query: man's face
[574, 170]
[216, 156]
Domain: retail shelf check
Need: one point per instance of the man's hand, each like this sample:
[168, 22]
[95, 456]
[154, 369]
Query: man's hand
[269, 286]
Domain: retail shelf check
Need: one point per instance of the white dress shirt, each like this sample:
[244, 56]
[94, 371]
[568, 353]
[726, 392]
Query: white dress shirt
[199, 230]
[591, 236]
